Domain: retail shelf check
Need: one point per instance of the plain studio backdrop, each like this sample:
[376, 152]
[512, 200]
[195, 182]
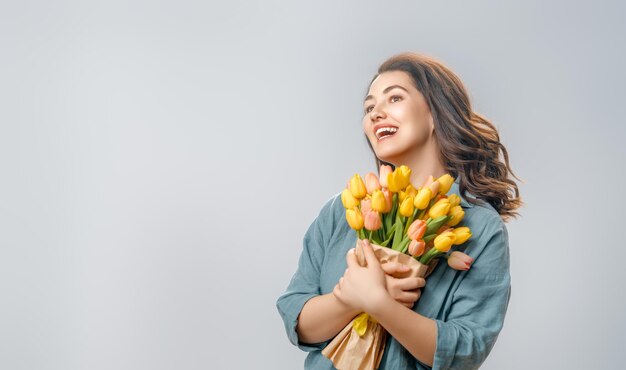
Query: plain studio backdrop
[161, 161]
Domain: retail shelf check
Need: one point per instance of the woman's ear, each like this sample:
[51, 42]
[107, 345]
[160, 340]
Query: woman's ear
[431, 122]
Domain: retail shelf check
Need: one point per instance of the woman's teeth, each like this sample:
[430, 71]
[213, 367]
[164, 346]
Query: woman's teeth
[385, 132]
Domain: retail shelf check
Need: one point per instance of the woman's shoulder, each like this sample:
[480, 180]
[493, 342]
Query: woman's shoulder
[332, 210]
[489, 244]
[480, 214]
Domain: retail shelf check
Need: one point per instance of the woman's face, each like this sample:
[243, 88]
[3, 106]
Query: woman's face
[397, 119]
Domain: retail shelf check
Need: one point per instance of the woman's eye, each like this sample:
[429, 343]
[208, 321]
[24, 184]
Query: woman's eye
[368, 109]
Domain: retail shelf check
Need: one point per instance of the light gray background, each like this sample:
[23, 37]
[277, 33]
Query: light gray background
[161, 161]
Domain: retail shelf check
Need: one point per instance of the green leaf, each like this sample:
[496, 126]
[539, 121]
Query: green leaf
[436, 224]
[397, 236]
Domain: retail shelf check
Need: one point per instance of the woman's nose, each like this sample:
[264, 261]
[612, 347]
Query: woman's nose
[375, 114]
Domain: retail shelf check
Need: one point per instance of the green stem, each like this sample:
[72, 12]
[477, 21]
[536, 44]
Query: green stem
[404, 246]
[397, 237]
[361, 234]
[410, 221]
[432, 253]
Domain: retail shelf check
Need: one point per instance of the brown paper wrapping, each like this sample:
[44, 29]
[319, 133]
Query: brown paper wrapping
[348, 350]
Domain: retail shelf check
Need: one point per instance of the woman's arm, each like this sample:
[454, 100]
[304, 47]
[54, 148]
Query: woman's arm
[466, 336]
[364, 288]
[416, 333]
[322, 317]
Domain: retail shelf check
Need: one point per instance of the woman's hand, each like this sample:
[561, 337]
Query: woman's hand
[362, 287]
[404, 290]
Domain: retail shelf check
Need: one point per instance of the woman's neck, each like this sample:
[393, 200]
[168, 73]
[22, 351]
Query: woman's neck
[424, 163]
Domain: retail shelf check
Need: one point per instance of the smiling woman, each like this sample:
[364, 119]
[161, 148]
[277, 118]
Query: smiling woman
[416, 113]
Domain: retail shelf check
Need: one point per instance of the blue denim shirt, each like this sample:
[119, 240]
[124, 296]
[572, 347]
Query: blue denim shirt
[467, 306]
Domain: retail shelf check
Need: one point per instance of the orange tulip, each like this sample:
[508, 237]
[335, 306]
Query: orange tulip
[417, 229]
[383, 173]
[416, 248]
[460, 261]
[371, 183]
[366, 205]
[434, 188]
[372, 220]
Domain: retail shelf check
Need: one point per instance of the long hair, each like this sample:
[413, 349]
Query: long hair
[469, 145]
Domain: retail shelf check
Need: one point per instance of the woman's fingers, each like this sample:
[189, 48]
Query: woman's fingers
[410, 283]
[392, 268]
[409, 297]
[370, 256]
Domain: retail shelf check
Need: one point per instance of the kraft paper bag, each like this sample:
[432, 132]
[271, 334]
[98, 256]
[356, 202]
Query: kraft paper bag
[351, 351]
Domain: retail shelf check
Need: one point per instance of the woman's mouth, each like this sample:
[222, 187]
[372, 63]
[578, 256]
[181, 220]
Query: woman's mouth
[385, 132]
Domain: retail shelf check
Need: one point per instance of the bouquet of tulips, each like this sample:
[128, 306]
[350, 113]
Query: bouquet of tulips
[411, 225]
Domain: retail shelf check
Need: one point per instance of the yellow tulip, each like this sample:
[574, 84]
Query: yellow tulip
[444, 241]
[457, 214]
[461, 234]
[410, 190]
[445, 182]
[422, 198]
[399, 179]
[406, 208]
[379, 204]
[357, 187]
[348, 200]
[388, 200]
[405, 173]
[354, 218]
[440, 208]
[454, 199]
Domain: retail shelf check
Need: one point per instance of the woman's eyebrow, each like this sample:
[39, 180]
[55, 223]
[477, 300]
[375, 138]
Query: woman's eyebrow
[385, 91]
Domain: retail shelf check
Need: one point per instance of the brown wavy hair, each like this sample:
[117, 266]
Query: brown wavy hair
[469, 145]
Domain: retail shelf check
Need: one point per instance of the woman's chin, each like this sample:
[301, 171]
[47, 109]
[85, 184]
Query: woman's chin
[387, 153]
[386, 157]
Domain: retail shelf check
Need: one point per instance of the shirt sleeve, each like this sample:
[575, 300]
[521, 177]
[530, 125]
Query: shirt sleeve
[305, 283]
[478, 306]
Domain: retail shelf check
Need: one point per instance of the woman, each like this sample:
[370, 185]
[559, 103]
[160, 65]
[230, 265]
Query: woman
[416, 113]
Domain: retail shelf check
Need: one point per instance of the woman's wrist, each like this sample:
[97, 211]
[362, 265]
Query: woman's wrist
[345, 308]
[379, 298]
